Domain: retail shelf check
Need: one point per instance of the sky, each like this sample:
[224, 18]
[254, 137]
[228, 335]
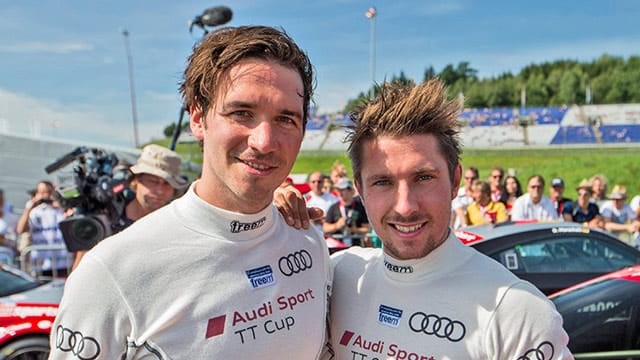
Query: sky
[64, 69]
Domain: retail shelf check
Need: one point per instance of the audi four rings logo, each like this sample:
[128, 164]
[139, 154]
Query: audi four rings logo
[83, 347]
[544, 351]
[442, 327]
[295, 263]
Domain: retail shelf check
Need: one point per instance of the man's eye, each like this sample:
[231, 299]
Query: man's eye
[241, 114]
[425, 177]
[381, 182]
[287, 120]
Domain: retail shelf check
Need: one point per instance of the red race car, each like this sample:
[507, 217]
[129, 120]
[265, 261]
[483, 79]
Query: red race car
[28, 307]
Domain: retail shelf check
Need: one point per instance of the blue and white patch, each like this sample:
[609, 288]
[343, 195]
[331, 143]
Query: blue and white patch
[261, 277]
[389, 316]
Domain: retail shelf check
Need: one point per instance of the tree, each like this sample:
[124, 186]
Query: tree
[429, 74]
[571, 90]
[536, 91]
[501, 94]
[466, 72]
[560, 82]
[353, 104]
[449, 75]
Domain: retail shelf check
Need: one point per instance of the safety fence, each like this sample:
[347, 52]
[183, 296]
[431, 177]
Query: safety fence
[39, 260]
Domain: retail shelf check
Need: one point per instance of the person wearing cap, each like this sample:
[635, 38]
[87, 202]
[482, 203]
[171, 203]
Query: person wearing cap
[156, 181]
[583, 210]
[346, 219]
[556, 192]
[618, 216]
[217, 273]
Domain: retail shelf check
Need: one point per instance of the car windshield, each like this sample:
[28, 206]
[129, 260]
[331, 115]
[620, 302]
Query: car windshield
[602, 316]
[13, 281]
[567, 254]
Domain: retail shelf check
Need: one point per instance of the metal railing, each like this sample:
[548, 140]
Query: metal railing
[31, 266]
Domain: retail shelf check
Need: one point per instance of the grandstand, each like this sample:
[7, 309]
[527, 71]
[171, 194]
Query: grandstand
[513, 128]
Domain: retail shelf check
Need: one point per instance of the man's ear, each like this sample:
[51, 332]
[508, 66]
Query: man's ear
[359, 188]
[457, 175]
[196, 121]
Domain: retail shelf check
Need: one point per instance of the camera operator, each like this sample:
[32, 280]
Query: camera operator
[41, 221]
[347, 219]
[156, 182]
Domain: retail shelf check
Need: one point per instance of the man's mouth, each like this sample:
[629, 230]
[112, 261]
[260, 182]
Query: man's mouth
[407, 229]
[256, 165]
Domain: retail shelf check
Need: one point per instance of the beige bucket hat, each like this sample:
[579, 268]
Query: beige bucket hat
[162, 162]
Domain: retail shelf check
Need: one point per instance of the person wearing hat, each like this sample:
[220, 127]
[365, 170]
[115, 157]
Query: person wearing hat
[618, 216]
[583, 210]
[556, 194]
[347, 219]
[156, 181]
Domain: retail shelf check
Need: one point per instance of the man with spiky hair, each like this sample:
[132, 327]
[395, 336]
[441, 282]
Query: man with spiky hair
[425, 295]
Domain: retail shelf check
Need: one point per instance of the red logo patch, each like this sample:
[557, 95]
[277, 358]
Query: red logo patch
[346, 337]
[215, 326]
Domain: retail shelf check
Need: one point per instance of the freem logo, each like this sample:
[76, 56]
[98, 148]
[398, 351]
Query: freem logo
[389, 316]
[238, 227]
[260, 277]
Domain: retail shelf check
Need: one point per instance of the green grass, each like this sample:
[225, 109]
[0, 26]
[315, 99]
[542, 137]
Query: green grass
[621, 165]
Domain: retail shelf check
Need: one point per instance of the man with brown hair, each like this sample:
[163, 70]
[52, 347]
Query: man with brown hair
[216, 274]
[425, 295]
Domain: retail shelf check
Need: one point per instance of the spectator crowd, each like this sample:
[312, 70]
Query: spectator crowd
[500, 198]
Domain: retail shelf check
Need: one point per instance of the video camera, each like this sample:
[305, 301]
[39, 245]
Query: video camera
[95, 191]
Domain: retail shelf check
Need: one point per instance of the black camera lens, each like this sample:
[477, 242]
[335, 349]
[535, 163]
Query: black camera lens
[83, 232]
